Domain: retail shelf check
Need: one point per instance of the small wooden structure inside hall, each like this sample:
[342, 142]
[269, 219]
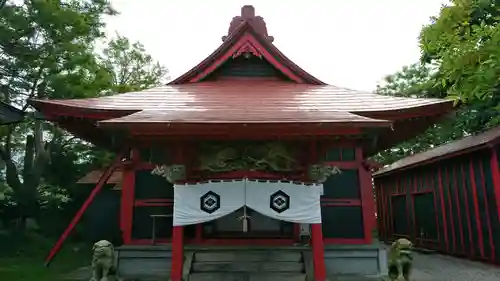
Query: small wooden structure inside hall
[445, 199]
[246, 114]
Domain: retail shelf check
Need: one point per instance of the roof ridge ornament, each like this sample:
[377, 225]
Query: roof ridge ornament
[248, 15]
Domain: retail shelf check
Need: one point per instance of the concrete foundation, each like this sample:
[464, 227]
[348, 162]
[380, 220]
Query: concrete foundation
[245, 263]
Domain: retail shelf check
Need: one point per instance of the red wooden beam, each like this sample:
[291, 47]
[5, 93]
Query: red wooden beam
[237, 130]
[102, 181]
[495, 171]
[127, 196]
[476, 208]
[469, 252]
[443, 209]
[487, 211]
[318, 252]
[177, 253]
[458, 210]
[367, 200]
[448, 187]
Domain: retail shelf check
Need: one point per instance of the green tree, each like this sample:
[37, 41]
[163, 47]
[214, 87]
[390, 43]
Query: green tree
[131, 67]
[46, 51]
[460, 60]
[419, 81]
[416, 80]
[462, 42]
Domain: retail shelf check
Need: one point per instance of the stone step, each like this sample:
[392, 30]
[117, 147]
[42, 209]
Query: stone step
[291, 256]
[247, 266]
[247, 277]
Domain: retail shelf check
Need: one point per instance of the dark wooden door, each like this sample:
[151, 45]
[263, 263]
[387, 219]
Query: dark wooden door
[425, 216]
[400, 216]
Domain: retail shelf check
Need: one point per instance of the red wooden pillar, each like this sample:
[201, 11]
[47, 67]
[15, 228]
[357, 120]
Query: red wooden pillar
[318, 252]
[177, 235]
[367, 197]
[177, 253]
[495, 171]
[127, 196]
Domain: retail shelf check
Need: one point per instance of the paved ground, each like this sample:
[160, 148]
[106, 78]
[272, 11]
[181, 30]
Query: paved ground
[435, 267]
[427, 267]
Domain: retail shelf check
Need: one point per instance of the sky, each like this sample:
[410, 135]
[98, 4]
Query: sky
[347, 43]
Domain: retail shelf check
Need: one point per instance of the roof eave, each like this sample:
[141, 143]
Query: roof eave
[384, 172]
[17, 115]
[480, 145]
[438, 108]
[59, 108]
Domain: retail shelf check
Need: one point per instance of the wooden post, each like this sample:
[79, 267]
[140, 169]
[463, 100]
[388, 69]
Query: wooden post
[177, 253]
[102, 181]
[127, 196]
[318, 252]
[367, 197]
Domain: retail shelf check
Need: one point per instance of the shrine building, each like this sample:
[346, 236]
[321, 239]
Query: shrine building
[245, 165]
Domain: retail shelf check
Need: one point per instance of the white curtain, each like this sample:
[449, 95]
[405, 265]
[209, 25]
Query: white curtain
[285, 201]
[198, 203]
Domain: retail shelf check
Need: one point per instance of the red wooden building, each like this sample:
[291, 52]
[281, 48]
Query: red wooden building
[445, 199]
[272, 124]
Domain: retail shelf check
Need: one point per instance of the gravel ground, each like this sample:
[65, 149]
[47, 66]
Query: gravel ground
[435, 267]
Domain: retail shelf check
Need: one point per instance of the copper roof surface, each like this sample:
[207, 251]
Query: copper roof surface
[443, 151]
[247, 101]
[227, 94]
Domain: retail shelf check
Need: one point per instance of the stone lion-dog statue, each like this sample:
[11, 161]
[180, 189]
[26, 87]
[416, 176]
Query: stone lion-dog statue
[103, 261]
[400, 259]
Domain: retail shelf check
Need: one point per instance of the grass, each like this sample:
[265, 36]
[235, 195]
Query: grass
[24, 260]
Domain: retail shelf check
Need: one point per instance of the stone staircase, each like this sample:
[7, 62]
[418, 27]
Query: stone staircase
[246, 265]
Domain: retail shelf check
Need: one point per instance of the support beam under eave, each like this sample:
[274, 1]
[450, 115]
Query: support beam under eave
[100, 184]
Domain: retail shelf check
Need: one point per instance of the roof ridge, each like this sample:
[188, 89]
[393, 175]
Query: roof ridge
[248, 16]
